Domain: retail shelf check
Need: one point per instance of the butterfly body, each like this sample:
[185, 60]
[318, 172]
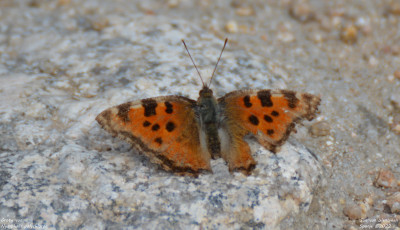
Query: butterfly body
[208, 112]
[182, 135]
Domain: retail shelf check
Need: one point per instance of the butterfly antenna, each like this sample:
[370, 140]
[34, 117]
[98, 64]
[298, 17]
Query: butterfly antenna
[193, 62]
[226, 40]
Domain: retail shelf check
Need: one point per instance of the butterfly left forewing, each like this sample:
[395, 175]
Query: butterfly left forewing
[269, 115]
[164, 128]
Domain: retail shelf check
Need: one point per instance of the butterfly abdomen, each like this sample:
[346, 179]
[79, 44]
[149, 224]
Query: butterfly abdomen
[213, 142]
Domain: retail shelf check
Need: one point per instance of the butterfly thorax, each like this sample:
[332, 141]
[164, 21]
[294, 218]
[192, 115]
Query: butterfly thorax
[207, 111]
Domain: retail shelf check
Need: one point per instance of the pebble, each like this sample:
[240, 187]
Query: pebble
[173, 3]
[394, 121]
[34, 3]
[232, 27]
[286, 36]
[336, 21]
[146, 7]
[317, 37]
[390, 78]
[394, 8]
[393, 202]
[349, 34]
[396, 129]
[396, 74]
[391, 49]
[364, 25]
[320, 129]
[244, 11]
[99, 23]
[373, 61]
[350, 227]
[301, 11]
[63, 2]
[354, 212]
[385, 179]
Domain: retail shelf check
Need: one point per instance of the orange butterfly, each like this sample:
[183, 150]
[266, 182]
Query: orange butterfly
[182, 134]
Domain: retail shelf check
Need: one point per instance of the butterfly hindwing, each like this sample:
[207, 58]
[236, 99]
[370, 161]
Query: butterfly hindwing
[269, 115]
[164, 128]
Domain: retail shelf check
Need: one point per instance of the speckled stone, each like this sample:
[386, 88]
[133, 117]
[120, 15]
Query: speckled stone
[393, 202]
[60, 170]
[385, 179]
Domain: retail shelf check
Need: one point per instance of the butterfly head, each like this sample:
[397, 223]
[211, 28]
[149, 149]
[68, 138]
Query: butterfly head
[205, 92]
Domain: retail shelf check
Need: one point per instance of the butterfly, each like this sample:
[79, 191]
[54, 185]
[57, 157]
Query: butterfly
[182, 135]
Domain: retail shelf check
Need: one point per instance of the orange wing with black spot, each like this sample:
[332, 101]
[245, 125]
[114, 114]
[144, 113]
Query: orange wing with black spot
[164, 128]
[269, 115]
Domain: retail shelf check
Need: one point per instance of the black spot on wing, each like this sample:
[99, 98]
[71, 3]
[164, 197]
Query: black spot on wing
[265, 98]
[268, 119]
[158, 140]
[155, 127]
[274, 113]
[169, 108]
[123, 111]
[253, 120]
[246, 101]
[146, 124]
[290, 96]
[149, 106]
[270, 132]
[170, 126]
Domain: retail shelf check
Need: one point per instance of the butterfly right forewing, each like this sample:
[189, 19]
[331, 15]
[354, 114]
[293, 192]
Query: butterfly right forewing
[164, 128]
